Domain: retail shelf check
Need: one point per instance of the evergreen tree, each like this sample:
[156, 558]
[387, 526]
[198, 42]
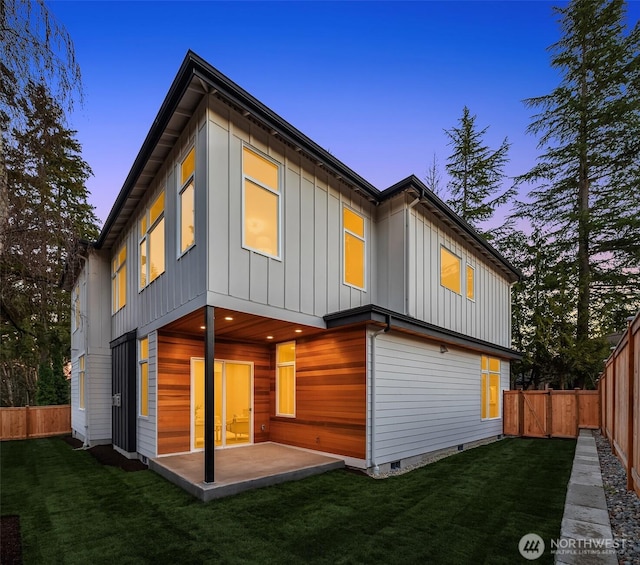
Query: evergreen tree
[48, 214]
[476, 173]
[586, 198]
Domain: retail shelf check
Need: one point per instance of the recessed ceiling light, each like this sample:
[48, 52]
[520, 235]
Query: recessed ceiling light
[269, 337]
[228, 318]
[203, 327]
[298, 331]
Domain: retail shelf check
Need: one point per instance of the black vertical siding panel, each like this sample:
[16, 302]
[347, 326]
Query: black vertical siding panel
[124, 382]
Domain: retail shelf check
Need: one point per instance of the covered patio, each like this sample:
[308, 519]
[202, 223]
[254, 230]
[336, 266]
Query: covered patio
[242, 468]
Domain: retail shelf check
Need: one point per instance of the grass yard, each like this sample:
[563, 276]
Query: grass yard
[470, 508]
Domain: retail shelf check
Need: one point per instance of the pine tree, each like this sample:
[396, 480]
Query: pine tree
[586, 198]
[48, 214]
[476, 173]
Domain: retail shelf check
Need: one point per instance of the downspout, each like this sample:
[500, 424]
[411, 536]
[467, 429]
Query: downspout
[407, 257]
[372, 446]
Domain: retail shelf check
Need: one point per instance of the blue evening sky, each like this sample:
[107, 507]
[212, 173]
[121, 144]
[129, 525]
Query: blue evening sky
[375, 83]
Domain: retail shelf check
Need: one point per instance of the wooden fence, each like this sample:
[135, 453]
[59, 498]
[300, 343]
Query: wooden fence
[619, 388]
[550, 413]
[34, 421]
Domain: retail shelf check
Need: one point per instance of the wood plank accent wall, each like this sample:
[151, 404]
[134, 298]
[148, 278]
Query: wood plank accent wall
[174, 387]
[331, 401]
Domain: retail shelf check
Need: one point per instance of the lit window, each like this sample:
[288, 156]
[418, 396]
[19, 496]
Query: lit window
[77, 318]
[187, 201]
[490, 388]
[471, 283]
[119, 280]
[152, 242]
[81, 382]
[143, 361]
[286, 379]
[261, 201]
[354, 248]
[450, 270]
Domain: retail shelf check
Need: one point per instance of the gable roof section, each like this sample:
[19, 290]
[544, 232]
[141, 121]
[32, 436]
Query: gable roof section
[196, 79]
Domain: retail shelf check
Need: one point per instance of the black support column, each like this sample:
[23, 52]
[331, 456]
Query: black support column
[209, 420]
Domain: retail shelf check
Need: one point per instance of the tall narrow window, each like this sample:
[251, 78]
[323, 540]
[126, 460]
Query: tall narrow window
[143, 362]
[77, 317]
[286, 379]
[261, 204]
[152, 242]
[186, 201]
[450, 270]
[119, 280]
[81, 382]
[354, 248]
[471, 283]
[490, 388]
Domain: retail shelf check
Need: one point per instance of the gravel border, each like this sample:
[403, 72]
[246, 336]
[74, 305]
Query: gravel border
[623, 505]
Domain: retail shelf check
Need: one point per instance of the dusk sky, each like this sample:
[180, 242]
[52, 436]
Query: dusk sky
[374, 83]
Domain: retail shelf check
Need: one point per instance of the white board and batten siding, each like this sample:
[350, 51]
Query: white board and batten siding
[426, 400]
[147, 425]
[91, 339]
[307, 279]
[184, 279]
[409, 276]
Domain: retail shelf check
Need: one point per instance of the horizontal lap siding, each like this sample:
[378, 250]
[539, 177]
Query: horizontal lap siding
[174, 387]
[330, 395]
[427, 400]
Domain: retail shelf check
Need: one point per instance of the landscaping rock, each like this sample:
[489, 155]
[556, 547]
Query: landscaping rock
[623, 505]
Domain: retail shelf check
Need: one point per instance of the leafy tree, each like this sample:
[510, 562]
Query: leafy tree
[587, 177]
[48, 215]
[476, 173]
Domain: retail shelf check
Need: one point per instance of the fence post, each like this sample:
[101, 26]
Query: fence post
[520, 412]
[576, 396]
[631, 411]
[26, 421]
[549, 422]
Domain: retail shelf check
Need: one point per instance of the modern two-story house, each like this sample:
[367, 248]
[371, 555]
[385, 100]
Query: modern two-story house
[249, 287]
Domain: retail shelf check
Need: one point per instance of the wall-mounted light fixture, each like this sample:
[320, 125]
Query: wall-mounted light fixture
[444, 349]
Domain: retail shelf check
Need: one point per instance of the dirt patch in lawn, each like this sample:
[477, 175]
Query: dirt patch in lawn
[106, 455]
[10, 540]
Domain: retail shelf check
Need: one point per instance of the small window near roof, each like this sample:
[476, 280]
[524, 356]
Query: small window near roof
[471, 283]
[186, 201]
[354, 248]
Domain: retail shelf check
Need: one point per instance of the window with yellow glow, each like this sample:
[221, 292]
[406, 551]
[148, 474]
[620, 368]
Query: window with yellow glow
[143, 361]
[261, 204]
[354, 248]
[471, 283]
[286, 379]
[186, 201]
[81, 382]
[450, 270]
[152, 244]
[490, 388]
[119, 280]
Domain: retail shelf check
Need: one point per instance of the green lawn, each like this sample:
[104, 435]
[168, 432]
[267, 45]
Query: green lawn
[470, 508]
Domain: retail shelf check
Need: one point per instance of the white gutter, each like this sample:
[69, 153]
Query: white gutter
[407, 258]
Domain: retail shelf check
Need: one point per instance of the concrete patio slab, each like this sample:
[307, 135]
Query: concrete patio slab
[242, 468]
